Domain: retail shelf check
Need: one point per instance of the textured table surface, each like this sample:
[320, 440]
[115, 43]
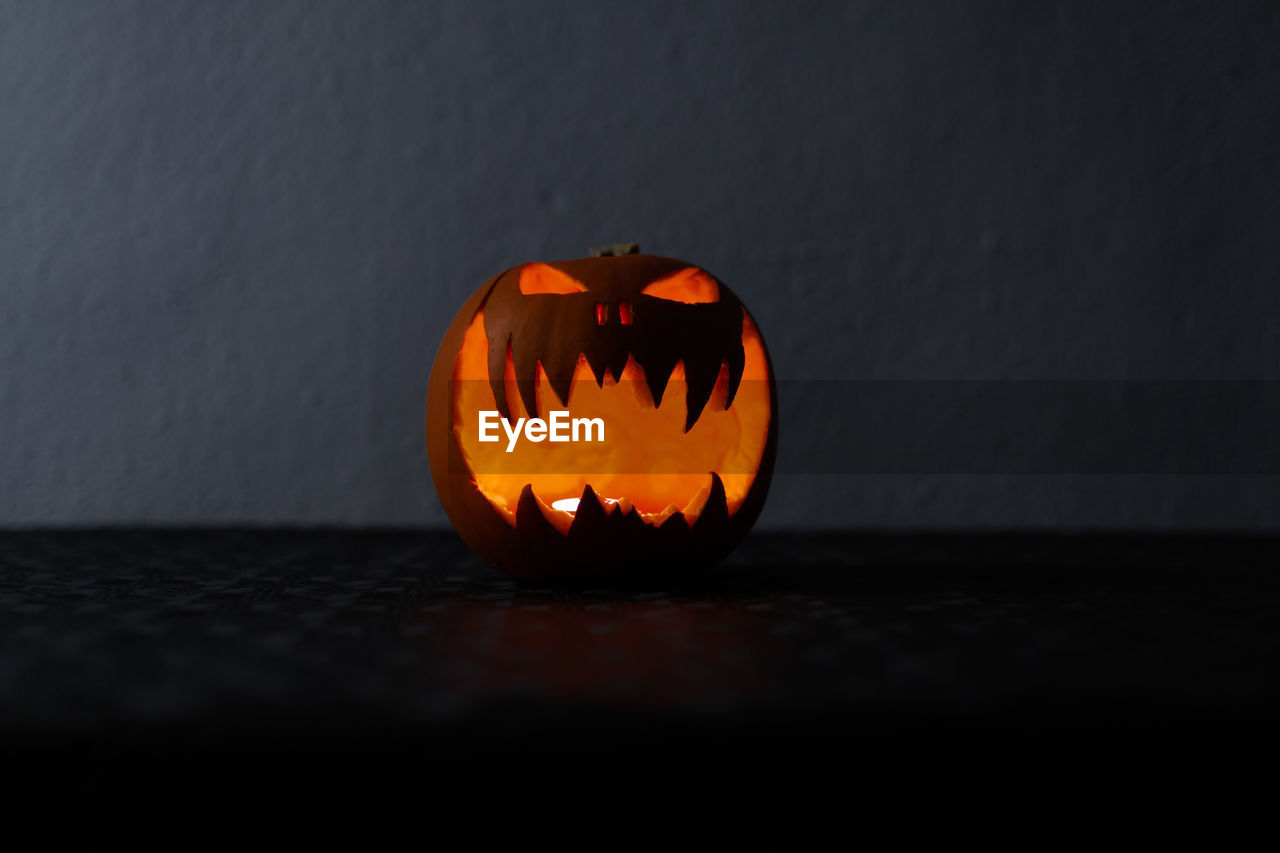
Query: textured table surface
[922, 664]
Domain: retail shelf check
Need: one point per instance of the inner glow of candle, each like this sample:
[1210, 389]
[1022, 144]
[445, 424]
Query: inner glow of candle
[571, 504]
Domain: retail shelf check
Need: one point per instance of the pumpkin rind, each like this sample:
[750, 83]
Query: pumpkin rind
[549, 329]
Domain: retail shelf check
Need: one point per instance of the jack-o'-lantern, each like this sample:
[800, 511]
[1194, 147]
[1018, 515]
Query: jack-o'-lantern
[667, 375]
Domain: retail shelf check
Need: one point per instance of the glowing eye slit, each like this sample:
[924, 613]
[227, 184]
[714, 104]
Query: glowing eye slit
[538, 279]
[691, 286]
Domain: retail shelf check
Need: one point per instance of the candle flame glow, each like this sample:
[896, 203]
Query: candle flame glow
[571, 504]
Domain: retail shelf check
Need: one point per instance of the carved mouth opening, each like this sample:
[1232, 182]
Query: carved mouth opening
[652, 462]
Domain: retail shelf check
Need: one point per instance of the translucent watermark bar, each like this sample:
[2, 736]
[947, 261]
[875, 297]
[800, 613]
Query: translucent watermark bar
[1163, 427]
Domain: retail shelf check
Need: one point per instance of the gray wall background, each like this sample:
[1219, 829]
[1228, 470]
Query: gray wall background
[232, 234]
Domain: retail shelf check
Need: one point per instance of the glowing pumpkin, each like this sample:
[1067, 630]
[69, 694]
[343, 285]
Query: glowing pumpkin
[657, 350]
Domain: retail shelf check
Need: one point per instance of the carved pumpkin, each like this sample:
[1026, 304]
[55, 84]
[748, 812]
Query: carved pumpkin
[658, 350]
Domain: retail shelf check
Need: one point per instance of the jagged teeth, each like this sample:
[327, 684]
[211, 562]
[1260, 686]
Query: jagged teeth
[701, 374]
[708, 503]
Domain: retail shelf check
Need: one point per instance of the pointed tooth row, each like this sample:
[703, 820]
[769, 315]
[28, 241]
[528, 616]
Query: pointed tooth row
[709, 506]
[525, 363]
[701, 374]
[656, 356]
[702, 364]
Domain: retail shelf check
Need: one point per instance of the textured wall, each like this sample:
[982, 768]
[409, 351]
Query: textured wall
[233, 233]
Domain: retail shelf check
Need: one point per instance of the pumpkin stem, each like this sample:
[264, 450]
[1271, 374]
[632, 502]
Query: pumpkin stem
[614, 249]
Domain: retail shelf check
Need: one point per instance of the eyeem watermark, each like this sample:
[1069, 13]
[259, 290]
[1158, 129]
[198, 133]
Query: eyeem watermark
[558, 427]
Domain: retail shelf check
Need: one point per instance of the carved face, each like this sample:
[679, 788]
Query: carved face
[660, 352]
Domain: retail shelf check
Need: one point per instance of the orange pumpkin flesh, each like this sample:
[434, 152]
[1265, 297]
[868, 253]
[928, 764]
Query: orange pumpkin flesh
[653, 492]
[727, 441]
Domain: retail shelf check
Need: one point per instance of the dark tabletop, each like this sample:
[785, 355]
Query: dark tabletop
[382, 667]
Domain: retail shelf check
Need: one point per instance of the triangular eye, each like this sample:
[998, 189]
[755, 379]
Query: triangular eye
[690, 285]
[541, 278]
